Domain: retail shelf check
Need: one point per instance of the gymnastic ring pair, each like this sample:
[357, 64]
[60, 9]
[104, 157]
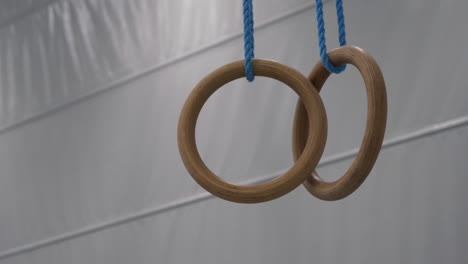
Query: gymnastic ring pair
[309, 130]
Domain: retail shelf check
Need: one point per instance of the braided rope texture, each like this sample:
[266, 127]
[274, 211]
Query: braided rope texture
[321, 34]
[248, 39]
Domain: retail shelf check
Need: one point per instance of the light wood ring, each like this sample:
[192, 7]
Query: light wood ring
[375, 125]
[266, 191]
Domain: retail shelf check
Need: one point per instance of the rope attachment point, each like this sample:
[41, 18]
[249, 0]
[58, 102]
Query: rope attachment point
[321, 34]
[248, 39]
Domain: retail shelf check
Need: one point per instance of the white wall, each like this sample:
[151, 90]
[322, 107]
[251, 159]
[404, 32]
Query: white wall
[90, 95]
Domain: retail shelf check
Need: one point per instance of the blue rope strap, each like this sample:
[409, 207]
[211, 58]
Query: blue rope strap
[248, 39]
[321, 34]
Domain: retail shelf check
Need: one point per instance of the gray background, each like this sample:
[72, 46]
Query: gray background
[90, 94]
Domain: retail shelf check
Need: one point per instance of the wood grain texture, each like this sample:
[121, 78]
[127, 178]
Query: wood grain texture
[304, 164]
[375, 124]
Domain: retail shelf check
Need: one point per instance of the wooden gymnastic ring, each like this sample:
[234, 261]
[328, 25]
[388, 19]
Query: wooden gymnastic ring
[375, 125]
[266, 191]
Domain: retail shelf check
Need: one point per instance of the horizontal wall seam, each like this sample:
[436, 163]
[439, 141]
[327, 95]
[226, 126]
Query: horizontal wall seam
[52, 108]
[424, 132]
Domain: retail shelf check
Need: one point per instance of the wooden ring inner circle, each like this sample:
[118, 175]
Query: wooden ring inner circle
[303, 166]
[375, 125]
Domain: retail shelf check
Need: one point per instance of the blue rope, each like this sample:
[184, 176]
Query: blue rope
[248, 39]
[321, 34]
